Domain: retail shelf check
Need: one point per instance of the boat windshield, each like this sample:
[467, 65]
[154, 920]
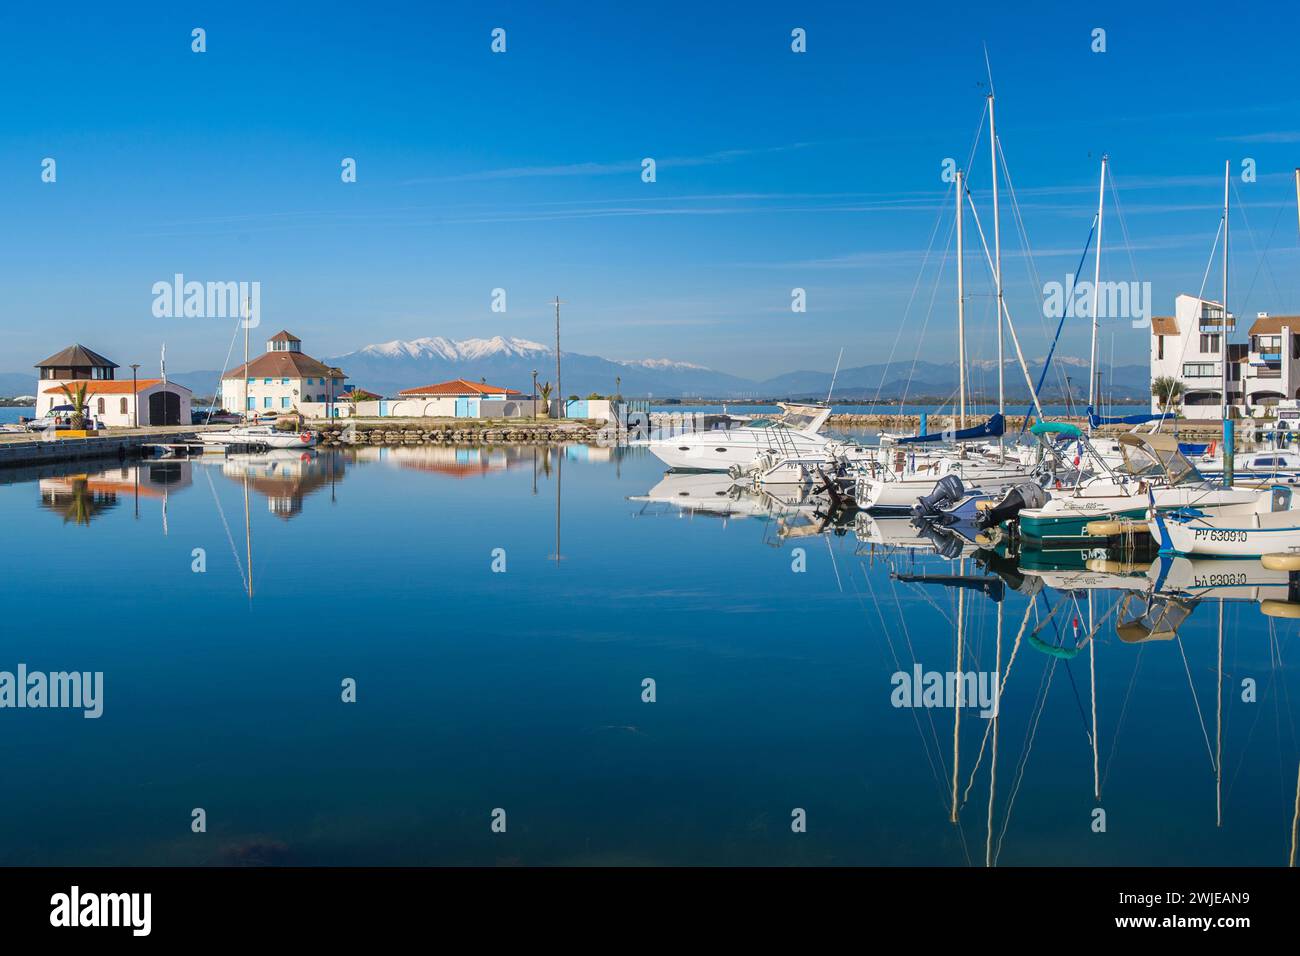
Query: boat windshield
[1157, 456]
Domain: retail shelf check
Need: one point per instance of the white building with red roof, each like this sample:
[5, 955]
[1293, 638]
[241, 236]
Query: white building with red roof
[460, 398]
[111, 401]
[282, 378]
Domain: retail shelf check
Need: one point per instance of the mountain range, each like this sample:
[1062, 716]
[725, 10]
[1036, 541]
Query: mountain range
[389, 367]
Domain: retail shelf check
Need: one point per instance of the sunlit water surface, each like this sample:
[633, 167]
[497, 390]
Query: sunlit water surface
[522, 689]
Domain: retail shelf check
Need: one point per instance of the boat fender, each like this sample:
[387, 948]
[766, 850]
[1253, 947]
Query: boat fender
[1111, 529]
[1286, 609]
[1281, 561]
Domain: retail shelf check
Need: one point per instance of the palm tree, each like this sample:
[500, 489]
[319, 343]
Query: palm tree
[77, 396]
[545, 390]
[1168, 390]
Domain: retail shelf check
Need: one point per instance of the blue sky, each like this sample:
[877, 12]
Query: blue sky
[522, 171]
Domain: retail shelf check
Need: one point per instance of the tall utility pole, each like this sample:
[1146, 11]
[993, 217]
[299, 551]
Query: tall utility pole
[559, 388]
[135, 395]
[535, 395]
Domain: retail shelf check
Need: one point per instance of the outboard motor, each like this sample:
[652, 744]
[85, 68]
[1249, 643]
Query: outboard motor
[947, 492]
[1024, 495]
[949, 545]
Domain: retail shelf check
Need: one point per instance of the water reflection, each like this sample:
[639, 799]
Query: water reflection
[1061, 631]
[1121, 683]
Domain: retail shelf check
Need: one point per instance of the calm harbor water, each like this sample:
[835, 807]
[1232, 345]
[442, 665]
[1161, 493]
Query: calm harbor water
[522, 689]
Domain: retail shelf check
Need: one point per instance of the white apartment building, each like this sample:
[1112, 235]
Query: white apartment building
[1261, 371]
[1189, 346]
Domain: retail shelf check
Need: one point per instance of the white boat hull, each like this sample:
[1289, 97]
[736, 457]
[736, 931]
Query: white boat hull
[1231, 536]
[260, 436]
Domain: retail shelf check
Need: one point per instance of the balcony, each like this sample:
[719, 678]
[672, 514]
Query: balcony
[1266, 357]
[1211, 321]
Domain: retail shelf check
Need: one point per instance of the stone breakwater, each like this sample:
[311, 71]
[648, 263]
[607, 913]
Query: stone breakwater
[464, 434]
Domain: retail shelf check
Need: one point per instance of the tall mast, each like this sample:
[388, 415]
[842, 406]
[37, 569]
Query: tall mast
[997, 264]
[559, 390]
[1093, 390]
[244, 410]
[1297, 194]
[1223, 328]
[961, 305]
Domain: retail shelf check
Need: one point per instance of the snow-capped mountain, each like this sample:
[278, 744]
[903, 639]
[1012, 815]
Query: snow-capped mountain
[437, 347]
[509, 361]
[389, 367]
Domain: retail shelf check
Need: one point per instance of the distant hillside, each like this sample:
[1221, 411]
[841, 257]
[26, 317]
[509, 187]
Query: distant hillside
[389, 367]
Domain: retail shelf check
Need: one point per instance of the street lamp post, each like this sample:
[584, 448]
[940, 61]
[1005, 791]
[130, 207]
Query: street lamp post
[534, 394]
[135, 396]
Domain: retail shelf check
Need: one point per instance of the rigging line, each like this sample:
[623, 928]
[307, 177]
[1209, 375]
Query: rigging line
[938, 220]
[970, 159]
[1119, 724]
[1005, 310]
[1049, 672]
[1060, 642]
[207, 473]
[217, 394]
[1250, 736]
[1200, 297]
[1123, 225]
[907, 636]
[925, 744]
[1060, 325]
[1018, 218]
[1261, 255]
[929, 312]
[989, 726]
[1197, 701]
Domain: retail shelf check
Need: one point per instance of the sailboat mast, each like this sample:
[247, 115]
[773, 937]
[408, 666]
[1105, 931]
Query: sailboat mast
[1223, 328]
[961, 304]
[1297, 196]
[1093, 390]
[997, 264]
[244, 410]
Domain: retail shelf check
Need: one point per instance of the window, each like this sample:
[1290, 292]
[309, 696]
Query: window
[266, 402]
[284, 403]
[252, 403]
[1200, 370]
[1209, 344]
[252, 381]
[1160, 346]
[122, 409]
[99, 407]
[266, 381]
[284, 381]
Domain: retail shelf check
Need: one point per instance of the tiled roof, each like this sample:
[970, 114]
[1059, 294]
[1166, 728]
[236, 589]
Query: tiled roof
[280, 365]
[285, 336]
[1272, 325]
[1164, 325]
[76, 356]
[119, 387]
[459, 386]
